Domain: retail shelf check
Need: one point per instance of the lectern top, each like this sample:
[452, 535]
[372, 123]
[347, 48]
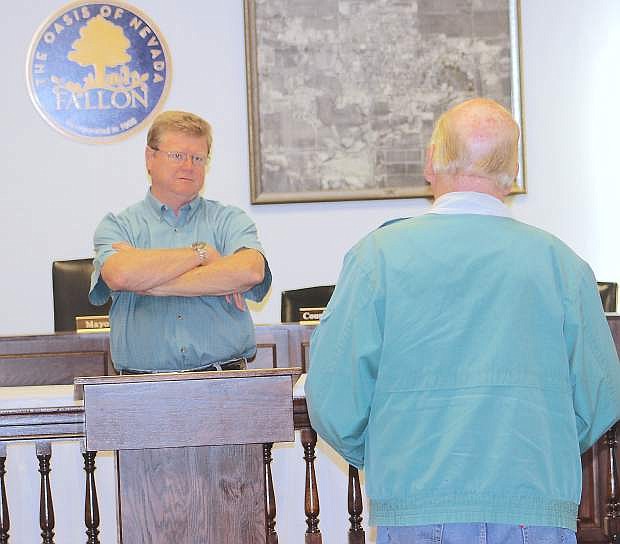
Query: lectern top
[188, 409]
[81, 381]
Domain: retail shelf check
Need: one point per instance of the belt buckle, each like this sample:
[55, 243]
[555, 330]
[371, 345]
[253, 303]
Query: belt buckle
[241, 362]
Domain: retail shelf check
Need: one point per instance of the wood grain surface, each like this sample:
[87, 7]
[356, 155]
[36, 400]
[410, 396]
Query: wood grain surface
[207, 495]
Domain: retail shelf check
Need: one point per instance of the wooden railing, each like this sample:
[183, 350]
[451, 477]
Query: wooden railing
[311, 495]
[54, 359]
[44, 426]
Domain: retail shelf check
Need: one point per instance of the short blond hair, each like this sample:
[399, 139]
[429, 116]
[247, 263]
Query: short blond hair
[477, 138]
[179, 121]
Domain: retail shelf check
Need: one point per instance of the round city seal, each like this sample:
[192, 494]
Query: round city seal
[98, 71]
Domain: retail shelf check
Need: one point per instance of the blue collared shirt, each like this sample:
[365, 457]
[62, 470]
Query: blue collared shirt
[176, 333]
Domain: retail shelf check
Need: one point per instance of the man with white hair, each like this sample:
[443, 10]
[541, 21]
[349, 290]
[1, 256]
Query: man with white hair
[464, 360]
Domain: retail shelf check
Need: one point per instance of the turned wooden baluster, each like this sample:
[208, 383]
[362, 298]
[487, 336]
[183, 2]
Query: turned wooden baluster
[4, 505]
[91, 504]
[46, 506]
[612, 517]
[313, 534]
[270, 497]
[356, 532]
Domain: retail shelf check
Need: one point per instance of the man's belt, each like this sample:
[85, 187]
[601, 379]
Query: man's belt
[234, 364]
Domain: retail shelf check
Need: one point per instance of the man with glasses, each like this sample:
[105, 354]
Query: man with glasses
[177, 266]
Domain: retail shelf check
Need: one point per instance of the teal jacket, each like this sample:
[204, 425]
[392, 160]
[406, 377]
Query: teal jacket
[464, 361]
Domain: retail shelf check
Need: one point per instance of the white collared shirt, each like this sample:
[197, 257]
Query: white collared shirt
[469, 202]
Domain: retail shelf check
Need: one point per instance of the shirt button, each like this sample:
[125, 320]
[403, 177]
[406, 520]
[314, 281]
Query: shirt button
[183, 349]
[179, 316]
[176, 230]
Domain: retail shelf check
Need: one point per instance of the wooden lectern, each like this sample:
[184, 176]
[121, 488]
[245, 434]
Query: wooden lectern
[190, 456]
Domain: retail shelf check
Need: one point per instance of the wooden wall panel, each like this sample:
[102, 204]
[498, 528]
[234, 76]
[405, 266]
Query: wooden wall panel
[54, 359]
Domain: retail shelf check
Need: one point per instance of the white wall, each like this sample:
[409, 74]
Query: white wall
[570, 51]
[54, 190]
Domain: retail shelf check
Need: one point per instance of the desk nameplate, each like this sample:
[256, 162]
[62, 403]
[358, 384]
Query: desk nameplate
[92, 323]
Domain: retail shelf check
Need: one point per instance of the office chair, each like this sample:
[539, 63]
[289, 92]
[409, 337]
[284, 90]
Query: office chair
[609, 293]
[304, 305]
[70, 285]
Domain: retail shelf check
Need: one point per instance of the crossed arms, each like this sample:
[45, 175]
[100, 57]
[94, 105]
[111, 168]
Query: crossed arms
[179, 272]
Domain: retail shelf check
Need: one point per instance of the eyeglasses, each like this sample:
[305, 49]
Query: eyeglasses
[180, 157]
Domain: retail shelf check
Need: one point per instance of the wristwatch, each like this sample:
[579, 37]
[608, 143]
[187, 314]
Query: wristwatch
[202, 250]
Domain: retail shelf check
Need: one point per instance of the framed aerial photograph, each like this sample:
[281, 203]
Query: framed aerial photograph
[343, 94]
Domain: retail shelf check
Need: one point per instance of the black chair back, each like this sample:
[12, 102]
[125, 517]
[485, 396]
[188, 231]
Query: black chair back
[71, 284]
[305, 305]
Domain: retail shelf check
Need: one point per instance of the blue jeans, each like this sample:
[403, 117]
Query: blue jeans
[475, 533]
